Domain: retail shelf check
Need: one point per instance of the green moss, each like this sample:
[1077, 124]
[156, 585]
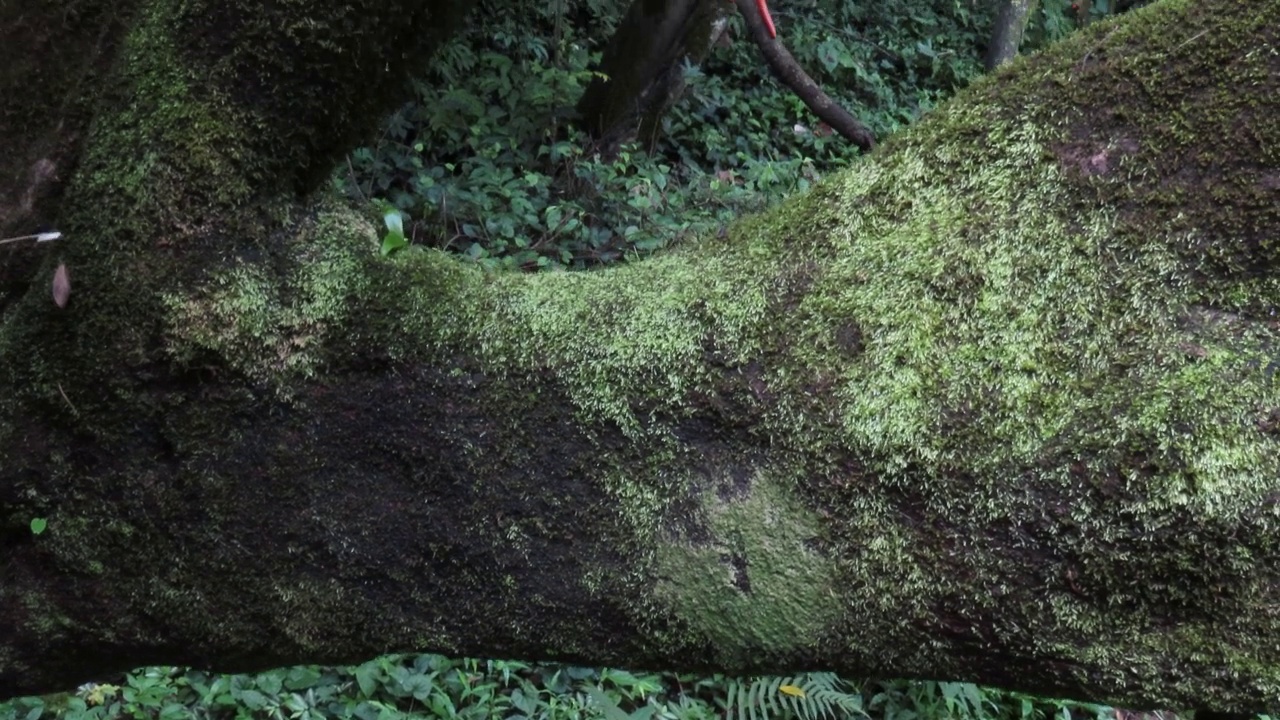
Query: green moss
[977, 350]
[270, 328]
[645, 328]
[751, 581]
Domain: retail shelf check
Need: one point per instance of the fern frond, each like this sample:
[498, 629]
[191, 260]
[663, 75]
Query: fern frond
[811, 696]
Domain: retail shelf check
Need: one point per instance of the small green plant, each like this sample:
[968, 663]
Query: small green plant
[38, 525]
[611, 709]
[394, 239]
[811, 696]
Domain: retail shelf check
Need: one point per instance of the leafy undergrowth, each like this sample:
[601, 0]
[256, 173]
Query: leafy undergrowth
[431, 686]
[485, 160]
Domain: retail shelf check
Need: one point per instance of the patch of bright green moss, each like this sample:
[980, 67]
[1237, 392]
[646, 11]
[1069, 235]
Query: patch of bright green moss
[755, 583]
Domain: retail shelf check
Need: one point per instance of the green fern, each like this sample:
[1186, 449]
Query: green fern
[811, 696]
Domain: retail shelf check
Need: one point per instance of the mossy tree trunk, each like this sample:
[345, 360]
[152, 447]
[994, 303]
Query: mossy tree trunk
[999, 404]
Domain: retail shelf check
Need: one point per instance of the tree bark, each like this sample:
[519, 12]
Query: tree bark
[642, 70]
[793, 76]
[1006, 36]
[997, 405]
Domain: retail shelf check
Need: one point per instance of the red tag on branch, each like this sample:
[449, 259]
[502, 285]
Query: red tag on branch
[763, 7]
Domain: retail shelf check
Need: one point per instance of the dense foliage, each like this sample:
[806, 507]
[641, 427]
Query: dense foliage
[487, 162]
[430, 686]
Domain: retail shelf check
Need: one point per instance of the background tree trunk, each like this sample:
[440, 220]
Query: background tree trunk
[997, 405]
[1006, 35]
[642, 69]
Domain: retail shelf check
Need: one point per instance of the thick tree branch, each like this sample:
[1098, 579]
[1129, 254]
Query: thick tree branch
[996, 405]
[641, 70]
[793, 76]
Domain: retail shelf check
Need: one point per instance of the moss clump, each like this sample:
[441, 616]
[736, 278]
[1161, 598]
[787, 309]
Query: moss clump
[747, 574]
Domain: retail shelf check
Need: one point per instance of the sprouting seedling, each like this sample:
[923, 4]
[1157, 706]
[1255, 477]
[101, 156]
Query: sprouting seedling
[394, 220]
[38, 237]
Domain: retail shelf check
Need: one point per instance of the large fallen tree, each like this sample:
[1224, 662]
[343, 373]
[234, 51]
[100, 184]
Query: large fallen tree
[998, 404]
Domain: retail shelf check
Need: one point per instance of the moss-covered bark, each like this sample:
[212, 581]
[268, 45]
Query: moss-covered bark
[996, 405]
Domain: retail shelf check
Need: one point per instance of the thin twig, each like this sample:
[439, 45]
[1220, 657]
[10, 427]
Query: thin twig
[38, 237]
[352, 174]
[64, 397]
[1190, 39]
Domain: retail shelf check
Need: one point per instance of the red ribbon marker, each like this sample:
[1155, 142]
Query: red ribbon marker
[763, 7]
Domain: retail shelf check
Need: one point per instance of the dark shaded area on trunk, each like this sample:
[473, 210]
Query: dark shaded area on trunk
[1010, 23]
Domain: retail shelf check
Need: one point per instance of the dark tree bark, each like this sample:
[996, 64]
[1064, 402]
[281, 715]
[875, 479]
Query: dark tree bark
[1006, 35]
[997, 405]
[642, 69]
[793, 76]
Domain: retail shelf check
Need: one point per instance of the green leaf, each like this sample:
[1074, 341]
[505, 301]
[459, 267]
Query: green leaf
[38, 525]
[606, 704]
[270, 682]
[392, 242]
[367, 678]
[394, 222]
[252, 699]
[301, 678]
